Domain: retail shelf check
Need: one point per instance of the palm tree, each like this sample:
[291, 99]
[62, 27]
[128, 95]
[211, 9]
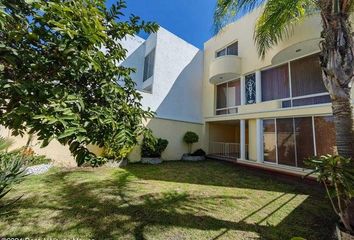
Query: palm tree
[336, 57]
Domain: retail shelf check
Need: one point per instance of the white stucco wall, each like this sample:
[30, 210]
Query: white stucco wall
[131, 43]
[176, 91]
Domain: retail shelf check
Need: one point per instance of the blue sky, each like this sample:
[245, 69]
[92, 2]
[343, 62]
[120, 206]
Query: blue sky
[192, 20]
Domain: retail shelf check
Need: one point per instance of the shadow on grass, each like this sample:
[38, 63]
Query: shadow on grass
[111, 208]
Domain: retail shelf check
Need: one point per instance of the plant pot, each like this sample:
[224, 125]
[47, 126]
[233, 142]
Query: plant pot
[187, 157]
[342, 234]
[153, 161]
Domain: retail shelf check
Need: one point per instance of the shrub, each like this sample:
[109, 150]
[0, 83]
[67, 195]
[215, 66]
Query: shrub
[97, 161]
[337, 175]
[152, 147]
[199, 152]
[115, 150]
[190, 138]
[12, 169]
[27, 155]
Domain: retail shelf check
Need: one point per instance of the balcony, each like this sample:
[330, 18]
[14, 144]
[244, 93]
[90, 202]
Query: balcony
[225, 68]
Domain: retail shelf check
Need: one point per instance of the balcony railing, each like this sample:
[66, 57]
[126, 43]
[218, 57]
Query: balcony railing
[224, 149]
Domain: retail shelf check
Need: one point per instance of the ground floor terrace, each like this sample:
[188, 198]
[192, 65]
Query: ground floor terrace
[281, 143]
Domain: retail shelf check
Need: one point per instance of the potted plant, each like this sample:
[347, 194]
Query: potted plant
[152, 149]
[190, 138]
[337, 175]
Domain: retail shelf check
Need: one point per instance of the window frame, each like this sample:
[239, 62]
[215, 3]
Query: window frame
[150, 66]
[225, 50]
[313, 133]
[227, 108]
[291, 98]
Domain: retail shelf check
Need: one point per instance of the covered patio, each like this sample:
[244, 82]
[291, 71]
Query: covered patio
[229, 139]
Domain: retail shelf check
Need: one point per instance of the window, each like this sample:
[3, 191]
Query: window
[221, 96]
[229, 50]
[303, 86]
[149, 65]
[289, 141]
[221, 53]
[286, 141]
[250, 88]
[228, 96]
[275, 83]
[269, 141]
[304, 139]
[306, 76]
[325, 135]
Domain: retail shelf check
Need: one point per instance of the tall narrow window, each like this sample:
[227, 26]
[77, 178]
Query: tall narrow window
[325, 135]
[234, 93]
[149, 65]
[304, 139]
[286, 142]
[275, 83]
[250, 82]
[306, 76]
[221, 96]
[269, 140]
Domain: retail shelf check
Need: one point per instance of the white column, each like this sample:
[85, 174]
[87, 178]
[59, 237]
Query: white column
[243, 89]
[258, 87]
[259, 123]
[243, 139]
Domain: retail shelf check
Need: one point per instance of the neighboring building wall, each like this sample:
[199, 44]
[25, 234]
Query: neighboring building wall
[177, 81]
[174, 92]
[60, 154]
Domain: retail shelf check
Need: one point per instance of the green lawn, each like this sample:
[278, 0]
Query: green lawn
[174, 200]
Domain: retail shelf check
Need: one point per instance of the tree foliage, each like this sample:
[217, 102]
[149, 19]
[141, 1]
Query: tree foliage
[190, 138]
[337, 176]
[59, 70]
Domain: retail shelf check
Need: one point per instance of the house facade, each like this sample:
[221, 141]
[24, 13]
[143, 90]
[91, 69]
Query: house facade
[270, 113]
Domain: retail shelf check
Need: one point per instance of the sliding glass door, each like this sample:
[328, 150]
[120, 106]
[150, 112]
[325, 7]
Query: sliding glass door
[289, 141]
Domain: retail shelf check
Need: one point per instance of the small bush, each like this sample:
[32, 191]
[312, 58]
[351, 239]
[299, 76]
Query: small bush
[28, 156]
[12, 168]
[153, 147]
[200, 153]
[190, 138]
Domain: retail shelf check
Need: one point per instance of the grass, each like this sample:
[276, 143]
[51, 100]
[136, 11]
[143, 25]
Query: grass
[174, 200]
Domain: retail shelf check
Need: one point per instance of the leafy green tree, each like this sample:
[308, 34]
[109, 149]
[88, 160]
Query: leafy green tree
[59, 73]
[336, 58]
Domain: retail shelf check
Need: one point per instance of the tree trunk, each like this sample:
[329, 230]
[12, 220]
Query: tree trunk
[343, 122]
[337, 62]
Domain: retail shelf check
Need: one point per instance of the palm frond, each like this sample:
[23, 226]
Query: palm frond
[227, 11]
[277, 21]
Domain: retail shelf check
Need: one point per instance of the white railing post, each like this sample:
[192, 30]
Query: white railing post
[243, 89]
[258, 87]
[243, 139]
[259, 123]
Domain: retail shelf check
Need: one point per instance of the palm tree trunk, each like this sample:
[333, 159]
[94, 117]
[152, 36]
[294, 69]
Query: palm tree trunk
[337, 62]
[343, 122]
